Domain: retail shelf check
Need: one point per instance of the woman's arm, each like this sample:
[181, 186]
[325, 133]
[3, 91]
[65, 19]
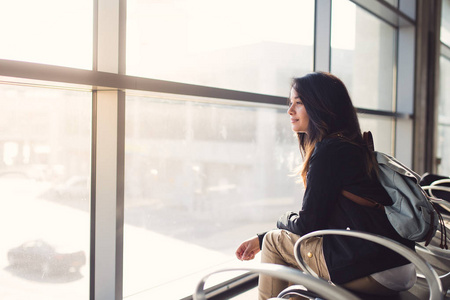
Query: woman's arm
[324, 186]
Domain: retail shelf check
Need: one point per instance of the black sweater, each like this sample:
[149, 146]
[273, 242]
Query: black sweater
[338, 165]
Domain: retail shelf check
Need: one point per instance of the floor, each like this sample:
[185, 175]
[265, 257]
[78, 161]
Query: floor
[249, 295]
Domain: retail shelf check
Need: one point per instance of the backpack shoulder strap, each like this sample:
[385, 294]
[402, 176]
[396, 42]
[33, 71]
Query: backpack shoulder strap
[387, 161]
[368, 140]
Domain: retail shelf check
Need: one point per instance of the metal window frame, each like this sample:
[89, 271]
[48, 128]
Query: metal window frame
[108, 154]
[322, 36]
[426, 85]
[405, 82]
[404, 15]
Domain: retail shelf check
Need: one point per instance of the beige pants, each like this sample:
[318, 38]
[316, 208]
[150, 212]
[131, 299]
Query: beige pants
[278, 248]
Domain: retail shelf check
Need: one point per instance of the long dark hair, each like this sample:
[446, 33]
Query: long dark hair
[331, 114]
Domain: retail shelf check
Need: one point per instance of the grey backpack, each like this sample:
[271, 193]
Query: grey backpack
[412, 214]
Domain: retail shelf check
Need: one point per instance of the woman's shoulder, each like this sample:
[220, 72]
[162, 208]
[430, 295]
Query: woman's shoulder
[338, 152]
[336, 145]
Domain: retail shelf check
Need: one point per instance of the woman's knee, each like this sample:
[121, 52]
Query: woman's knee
[278, 247]
[271, 239]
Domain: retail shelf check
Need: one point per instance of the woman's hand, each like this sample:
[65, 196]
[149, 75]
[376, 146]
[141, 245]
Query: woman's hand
[248, 249]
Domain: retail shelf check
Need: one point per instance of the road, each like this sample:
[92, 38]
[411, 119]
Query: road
[154, 263]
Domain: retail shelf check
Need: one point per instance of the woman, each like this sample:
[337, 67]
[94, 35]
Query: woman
[336, 162]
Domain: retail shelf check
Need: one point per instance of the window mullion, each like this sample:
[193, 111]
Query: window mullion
[108, 156]
[322, 35]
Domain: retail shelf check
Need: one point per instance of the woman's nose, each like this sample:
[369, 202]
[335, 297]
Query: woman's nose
[290, 111]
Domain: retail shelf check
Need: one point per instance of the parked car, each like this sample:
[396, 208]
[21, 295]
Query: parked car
[38, 255]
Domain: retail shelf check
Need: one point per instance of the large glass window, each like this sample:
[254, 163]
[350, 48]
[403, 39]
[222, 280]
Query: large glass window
[47, 31]
[241, 45]
[444, 117]
[201, 175]
[363, 55]
[44, 193]
[200, 178]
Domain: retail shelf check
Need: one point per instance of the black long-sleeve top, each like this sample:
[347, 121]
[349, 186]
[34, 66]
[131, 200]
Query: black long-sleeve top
[337, 165]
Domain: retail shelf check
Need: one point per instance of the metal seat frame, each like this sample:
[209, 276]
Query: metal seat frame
[433, 280]
[316, 285]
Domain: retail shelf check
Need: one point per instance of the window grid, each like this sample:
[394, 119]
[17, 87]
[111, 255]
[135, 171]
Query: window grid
[105, 80]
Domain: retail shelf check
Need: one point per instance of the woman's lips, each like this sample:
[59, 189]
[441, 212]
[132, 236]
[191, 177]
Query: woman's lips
[294, 120]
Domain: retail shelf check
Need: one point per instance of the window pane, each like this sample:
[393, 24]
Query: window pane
[444, 88]
[444, 117]
[47, 31]
[382, 131]
[241, 45]
[363, 55]
[445, 24]
[199, 179]
[444, 149]
[44, 193]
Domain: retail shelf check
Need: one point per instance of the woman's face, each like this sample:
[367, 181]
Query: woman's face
[297, 112]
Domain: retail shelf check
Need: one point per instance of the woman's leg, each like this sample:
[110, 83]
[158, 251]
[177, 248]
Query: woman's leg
[278, 248]
[311, 251]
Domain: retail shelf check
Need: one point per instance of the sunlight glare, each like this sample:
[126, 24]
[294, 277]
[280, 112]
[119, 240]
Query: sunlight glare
[59, 32]
[344, 27]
